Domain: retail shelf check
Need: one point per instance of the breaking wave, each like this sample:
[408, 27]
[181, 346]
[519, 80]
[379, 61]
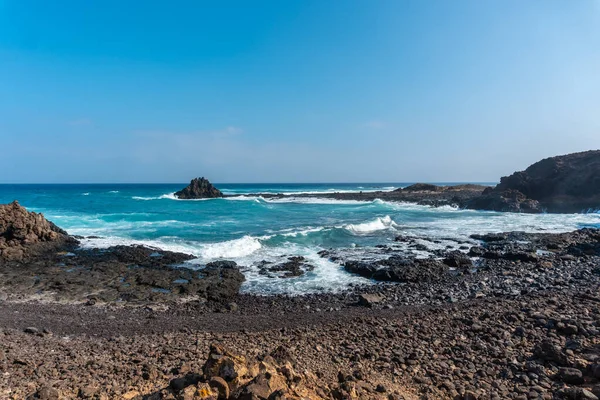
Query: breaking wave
[378, 224]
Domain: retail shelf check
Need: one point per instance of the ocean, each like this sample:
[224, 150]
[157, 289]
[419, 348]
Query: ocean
[250, 229]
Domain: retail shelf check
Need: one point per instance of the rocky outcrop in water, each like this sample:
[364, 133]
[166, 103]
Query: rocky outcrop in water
[22, 231]
[562, 184]
[199, 188]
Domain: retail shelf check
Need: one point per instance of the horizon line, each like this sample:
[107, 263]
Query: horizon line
[241, 183]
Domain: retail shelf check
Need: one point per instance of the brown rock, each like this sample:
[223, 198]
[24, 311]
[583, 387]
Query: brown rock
[221, 386]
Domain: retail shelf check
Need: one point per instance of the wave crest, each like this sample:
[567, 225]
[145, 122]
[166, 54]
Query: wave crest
[231, 249]
[378, 224]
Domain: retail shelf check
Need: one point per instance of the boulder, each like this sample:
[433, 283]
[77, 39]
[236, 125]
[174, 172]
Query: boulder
[458, 260]
[571, 376]
[370, 299]
[199, 188]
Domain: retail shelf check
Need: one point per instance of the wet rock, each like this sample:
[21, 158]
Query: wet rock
[294, 266]
[399, 269]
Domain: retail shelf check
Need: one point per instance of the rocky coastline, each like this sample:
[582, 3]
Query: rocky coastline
[561, 184]
[511, 315]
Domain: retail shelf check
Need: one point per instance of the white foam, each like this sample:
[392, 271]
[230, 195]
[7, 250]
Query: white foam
[164, 243]
[114, 191]
[303, 232]
[378, 224]
[244, 197]
[230, 249]
[168, 196]
[313, 200]
[85, 194]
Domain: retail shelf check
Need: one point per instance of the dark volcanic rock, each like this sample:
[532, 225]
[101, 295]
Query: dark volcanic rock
[23, 232]
[294, 266]
[507, 201]
[569, 183]
[459, 260]
[422, 187]
[399, 269]
[199, 188]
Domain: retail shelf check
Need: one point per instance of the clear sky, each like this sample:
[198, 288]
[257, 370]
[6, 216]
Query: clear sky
[294, 90]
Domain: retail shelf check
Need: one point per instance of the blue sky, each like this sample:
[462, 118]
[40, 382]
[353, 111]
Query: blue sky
[295, 90]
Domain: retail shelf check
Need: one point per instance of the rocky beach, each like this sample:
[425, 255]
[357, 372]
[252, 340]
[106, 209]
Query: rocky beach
[502, 315]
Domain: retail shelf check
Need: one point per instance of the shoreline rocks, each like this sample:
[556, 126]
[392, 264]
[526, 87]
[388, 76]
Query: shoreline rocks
[199, 188]
[562, 184]
[24, 233]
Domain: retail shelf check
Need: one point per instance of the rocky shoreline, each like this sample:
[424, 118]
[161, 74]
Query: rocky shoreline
[512, 315]
[561, 184]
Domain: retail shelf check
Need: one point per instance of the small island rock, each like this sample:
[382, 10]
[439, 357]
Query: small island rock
[199, 188]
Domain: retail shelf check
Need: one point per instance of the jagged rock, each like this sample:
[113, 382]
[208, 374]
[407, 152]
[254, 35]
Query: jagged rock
[458, 260]
[21, 231]
[232, 368]
[507, 201]
[568, 183]
[399, 269]
[294, 266]
[199, 188]
[221, 386]
[234, 376]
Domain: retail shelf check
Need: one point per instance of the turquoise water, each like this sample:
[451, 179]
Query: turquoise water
[250, 229]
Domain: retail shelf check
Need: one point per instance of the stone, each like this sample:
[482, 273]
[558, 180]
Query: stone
[31, 330]
[87, 392]
[369, 299]
[571, 376]
[221, 386]
[48, 393]
[232, 368]
[131, 395]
